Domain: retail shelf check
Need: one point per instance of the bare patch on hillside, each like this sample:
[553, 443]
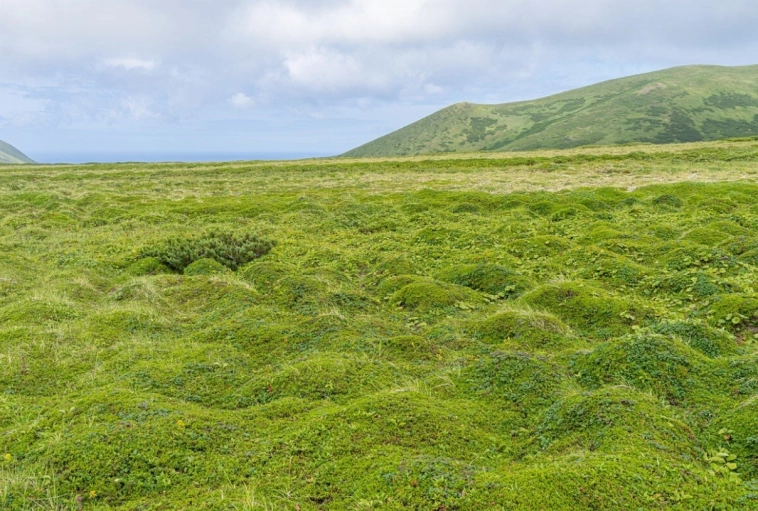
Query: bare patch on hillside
[647, 89]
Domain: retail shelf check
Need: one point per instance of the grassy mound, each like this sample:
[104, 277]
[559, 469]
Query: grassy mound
[736, 433]
[487, 278]
[518, 379]
[538, 246]
[646, 361]
[525, 329]
[426, 295]
[708, 340]
[147, 266]
[613, 419]
[205, 266]
[320, 377]
[591, 310]
[605, 266]
[409, 348]
[735, 312]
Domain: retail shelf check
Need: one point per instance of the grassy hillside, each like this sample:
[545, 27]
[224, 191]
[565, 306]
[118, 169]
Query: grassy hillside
[9, 154]
[684, 104]
[446, 333]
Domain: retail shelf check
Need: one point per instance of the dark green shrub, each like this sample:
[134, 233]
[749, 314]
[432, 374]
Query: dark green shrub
[228, 248]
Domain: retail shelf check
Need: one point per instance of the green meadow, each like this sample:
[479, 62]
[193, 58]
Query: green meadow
[562, 330]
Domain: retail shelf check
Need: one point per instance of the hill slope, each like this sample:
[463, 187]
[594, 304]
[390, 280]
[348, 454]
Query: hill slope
[683, 104]
[9, 154]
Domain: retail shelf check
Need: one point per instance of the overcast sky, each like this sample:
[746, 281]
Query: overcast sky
[320, 76]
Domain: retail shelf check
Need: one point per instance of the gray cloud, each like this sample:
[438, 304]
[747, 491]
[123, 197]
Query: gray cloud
[183, 64]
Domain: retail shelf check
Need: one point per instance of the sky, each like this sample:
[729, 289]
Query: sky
[307, 77]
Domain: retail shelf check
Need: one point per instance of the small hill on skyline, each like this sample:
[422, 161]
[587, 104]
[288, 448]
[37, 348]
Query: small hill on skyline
[681, 104]
[9, 154]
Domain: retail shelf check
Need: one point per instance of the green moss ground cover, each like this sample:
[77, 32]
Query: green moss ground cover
[413, 336]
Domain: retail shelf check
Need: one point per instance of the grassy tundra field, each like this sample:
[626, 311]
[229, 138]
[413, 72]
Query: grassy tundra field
[522, 331]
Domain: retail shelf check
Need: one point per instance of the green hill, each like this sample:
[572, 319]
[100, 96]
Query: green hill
[683, 104]
[9, 154]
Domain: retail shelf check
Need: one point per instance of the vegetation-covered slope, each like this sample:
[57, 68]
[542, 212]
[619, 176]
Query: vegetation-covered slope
[438, 334]
[9, 154]
[683, 104]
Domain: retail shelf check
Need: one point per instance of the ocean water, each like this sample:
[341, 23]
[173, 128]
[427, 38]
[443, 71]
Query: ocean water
[184, 157]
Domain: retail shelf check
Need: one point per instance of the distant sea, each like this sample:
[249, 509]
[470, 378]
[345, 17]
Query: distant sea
[95, 157]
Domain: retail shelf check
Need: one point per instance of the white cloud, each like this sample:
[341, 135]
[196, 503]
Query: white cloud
[328, 71]
[241, 101]
[138, 108]
[179, 61]
[287, 24]
[430, 88]
[131, 64]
